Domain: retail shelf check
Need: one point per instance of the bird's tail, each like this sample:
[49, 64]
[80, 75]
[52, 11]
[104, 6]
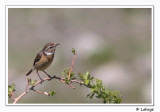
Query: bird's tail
[29, 71]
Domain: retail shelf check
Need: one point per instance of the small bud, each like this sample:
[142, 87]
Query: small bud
[29, 80]
[73, 51]
[46, 93]
[33, 82]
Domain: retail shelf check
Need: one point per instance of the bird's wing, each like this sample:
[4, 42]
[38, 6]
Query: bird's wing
[38, 57]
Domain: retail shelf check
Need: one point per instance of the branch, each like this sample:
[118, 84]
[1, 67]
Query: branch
[96, 86]
[69, 76]
[39, 92]
[40, 82]
[20, 96]
[48, 79]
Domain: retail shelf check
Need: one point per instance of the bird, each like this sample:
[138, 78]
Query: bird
[43, 59]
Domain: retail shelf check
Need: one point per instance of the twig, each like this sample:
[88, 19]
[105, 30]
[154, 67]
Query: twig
[27, 85]
[39, 92]
[20, 96]
[70, 85]
[12, 96]
[79, 82]
[69, 76]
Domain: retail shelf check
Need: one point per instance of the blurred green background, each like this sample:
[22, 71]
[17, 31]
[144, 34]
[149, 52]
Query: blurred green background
[114, 44]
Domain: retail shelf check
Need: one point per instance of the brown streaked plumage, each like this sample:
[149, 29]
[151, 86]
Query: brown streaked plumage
[43, 59]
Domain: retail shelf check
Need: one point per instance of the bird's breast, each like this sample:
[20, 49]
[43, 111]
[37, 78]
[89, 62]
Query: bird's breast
[44, 62]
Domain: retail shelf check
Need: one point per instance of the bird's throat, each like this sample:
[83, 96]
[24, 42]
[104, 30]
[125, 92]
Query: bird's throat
[48, 53]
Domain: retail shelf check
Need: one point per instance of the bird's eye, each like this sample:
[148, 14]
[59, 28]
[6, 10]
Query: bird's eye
[50, 47]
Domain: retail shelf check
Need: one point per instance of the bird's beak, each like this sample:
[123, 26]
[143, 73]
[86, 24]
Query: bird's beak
[56, 44]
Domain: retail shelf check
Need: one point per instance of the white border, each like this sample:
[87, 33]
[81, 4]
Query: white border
[78, 6]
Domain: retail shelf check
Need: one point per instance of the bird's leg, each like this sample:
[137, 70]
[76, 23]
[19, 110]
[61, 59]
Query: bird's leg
[47, 74]
[39, 76]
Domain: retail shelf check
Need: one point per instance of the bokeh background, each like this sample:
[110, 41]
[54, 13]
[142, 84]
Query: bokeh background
[114, 44]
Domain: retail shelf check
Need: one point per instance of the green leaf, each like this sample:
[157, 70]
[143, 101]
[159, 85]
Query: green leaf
[104, 101]
[9, 86]
[99, 96]
[86, 82]
[33, 82]
[87, 75]
[104, 95]
[81, 76]
[72, 75]
[88, 95]
[94, 89]
[11, 89]
[91, 78]
[66, 71]
[119, 100]
[97, 89]
[13, 85]
[91, 96]
[73, 51]
[66, 80]
[52, 93]
[29, 80]
[99, 83]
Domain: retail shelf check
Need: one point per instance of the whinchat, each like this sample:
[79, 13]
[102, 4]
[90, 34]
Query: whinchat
[43, 59]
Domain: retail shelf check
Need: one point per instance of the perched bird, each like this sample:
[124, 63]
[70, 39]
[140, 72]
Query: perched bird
[43, 59]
